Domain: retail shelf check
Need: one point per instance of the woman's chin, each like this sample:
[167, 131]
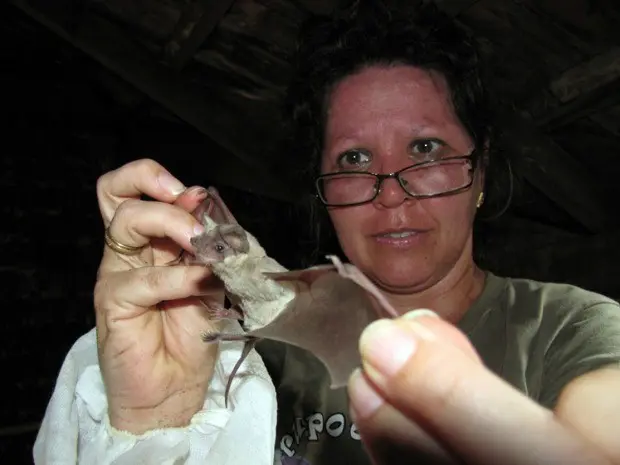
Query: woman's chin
[401, 279]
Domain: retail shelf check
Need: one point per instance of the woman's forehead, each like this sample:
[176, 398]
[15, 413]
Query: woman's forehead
[393, 96]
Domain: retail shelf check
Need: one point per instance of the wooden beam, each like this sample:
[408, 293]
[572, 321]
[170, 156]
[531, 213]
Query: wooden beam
[581, 91]
[196, 23]
[585, 104]
[455, 7]
[559, 176]
[100, 40]
[588, 76]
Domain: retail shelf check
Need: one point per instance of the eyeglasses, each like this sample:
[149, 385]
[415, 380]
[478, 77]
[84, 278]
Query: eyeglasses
[422, 180]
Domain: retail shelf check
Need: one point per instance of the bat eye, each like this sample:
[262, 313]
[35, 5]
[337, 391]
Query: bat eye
[219, 248]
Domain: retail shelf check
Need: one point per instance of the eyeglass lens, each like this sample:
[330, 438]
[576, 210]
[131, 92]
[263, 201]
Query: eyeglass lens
[431, 179]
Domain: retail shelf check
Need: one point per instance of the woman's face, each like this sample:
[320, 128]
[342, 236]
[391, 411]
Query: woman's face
[383, 119]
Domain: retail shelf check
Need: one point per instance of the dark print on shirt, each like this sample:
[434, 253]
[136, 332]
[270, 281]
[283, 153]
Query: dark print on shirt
[294, 461]
[314, 428]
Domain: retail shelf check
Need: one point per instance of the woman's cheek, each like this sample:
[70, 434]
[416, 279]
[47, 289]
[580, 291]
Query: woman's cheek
[347, 226]
[454, 217]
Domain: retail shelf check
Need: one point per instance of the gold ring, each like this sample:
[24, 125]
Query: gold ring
[121, 248]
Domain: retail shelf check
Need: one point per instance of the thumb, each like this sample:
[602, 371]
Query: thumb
[421, 369]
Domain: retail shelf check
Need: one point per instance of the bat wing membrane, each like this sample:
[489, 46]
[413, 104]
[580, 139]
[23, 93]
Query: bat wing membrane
[326, 318]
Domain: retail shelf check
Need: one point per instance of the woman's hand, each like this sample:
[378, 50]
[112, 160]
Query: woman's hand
[155, 367]
[424, 394]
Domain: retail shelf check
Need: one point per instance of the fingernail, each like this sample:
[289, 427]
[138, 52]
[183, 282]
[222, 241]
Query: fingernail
[198, 192]
[170, 183]
[413, 314]
[198, 229]
[364, 399]
[418, 328]
[386, 346]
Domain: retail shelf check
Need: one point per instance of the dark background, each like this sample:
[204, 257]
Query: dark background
[68, 117]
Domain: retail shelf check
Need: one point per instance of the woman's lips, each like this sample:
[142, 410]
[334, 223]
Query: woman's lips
[400, 239]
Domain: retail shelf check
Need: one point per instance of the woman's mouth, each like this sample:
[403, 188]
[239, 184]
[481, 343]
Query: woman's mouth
[401, 238]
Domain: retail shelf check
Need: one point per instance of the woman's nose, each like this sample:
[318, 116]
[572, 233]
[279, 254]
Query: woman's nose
[391, 194]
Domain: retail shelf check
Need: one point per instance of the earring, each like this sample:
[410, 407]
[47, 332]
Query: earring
[480, 200]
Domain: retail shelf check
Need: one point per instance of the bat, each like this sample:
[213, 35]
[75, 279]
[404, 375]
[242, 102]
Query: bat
[322, 309]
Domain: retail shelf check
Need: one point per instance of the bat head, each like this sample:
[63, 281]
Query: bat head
[223, 241]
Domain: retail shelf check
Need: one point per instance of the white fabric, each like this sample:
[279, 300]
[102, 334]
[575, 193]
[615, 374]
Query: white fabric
[76, 429]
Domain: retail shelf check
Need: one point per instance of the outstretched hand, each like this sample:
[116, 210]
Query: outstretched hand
[424, 396]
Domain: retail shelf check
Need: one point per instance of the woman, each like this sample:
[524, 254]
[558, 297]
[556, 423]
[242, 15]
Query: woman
[513, 371]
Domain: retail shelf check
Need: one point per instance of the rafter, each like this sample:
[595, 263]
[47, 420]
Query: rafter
[559, 176]
[588, 76]
[196, 23]
[583, 90]
[455, 7]
[208, 113]
[585, 104]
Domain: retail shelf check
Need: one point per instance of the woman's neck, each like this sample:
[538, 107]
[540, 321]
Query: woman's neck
[450, 297]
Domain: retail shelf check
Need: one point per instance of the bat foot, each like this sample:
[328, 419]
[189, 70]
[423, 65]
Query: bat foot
[216, 336]
[222, 313]
[176, 261]
[210, 336]
[216, 311]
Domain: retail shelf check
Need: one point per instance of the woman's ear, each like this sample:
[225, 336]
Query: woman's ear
[484, 163]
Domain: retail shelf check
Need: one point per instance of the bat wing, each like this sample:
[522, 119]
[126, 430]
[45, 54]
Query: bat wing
[331, 309]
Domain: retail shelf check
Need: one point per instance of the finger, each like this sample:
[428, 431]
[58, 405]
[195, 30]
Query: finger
[165, 251]
[191, 198]
[391, 437]
[133, 180]
[137, 221]
[135, 291]
[454, 397]
[442, 330]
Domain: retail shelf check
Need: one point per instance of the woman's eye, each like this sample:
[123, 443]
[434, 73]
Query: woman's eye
[426, 147]
[354, 159]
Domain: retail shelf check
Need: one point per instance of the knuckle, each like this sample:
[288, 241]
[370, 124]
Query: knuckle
[141, 167]
[146, 166]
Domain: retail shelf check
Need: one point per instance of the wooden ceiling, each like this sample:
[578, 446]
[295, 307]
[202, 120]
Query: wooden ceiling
[222, 67]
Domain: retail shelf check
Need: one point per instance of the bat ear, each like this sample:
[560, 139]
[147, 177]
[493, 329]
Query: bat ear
[219, 211]
[215, 208]
[235, 236]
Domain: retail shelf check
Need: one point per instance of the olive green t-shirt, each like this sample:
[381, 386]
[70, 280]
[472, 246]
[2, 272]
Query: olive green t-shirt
[536, 336]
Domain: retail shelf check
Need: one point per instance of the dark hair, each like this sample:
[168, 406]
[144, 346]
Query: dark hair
[372, 32]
